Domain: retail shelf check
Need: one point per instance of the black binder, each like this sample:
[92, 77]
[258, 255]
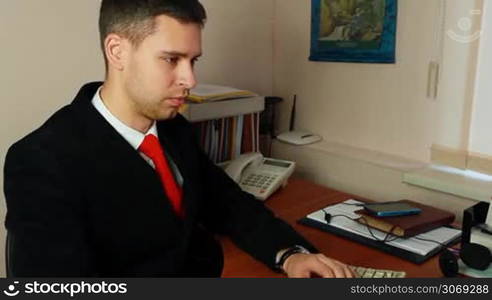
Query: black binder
[405, 254]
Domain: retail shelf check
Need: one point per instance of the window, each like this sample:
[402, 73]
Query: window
[463, 137]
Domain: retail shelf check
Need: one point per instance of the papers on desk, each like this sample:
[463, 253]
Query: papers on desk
[442, 235]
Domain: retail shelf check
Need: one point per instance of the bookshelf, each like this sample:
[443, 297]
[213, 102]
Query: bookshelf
[227, 128]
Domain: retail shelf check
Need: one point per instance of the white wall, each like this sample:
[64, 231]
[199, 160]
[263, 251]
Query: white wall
[51, 47]
[481, 139]
[237, 44]
[375, 106]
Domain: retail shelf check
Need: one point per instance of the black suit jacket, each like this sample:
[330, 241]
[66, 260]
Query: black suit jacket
[82, 202]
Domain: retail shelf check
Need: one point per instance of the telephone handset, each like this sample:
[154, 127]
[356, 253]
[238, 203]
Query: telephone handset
[258, 175]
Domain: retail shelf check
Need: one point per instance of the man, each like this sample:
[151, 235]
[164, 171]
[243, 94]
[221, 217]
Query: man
[115, 184]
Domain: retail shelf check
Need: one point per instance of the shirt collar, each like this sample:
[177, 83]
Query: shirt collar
[132, 136]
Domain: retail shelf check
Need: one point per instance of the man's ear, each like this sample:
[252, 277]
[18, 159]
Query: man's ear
[114, 48]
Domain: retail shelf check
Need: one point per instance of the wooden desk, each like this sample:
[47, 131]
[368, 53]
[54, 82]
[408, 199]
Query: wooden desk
[300, 198]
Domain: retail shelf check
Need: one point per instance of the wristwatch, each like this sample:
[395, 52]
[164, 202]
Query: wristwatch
[282, 256]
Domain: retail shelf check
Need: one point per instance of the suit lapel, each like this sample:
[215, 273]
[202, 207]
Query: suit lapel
[114, 155]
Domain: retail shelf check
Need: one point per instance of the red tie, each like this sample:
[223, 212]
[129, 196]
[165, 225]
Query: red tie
[152, 148]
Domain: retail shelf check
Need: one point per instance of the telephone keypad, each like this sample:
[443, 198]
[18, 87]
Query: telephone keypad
[259, 180]
[257, 175]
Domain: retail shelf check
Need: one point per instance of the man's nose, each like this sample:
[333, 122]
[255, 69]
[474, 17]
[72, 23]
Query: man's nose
[187, 77]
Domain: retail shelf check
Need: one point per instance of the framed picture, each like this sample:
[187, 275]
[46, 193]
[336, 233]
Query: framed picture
[353, 31]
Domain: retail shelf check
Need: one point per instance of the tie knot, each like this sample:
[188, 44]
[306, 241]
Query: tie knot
[151, 146]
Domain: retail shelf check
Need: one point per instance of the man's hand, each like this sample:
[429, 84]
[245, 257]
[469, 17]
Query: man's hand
[302, 265]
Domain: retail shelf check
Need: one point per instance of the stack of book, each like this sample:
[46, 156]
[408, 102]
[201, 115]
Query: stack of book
[204, 111]
[407, 226]
[211, 92]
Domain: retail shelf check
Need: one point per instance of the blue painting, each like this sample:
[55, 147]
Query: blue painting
[353, 31]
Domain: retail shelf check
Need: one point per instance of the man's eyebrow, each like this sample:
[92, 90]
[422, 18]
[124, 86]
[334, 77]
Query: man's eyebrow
[180, 54]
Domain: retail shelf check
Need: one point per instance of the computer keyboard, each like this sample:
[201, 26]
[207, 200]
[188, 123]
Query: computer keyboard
[363, 272]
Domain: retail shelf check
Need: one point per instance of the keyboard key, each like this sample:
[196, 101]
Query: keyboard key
[399, 275]
[388, 274]
[363, 272]
[369, 273]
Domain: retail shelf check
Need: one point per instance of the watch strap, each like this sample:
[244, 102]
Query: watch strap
[284, 254]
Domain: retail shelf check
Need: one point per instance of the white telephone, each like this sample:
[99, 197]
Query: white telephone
[258, 175]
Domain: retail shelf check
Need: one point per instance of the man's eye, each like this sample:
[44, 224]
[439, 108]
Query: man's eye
[171, 60]
[193, 61]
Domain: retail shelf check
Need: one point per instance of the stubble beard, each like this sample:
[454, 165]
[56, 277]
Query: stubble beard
[153, 109]
[149, 107]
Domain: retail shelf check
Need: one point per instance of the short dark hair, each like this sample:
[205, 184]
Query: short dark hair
[135, 19]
